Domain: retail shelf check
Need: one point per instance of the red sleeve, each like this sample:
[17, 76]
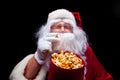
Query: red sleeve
[99, 72]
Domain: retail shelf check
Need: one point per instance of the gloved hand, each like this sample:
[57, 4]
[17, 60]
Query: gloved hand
[45, 47]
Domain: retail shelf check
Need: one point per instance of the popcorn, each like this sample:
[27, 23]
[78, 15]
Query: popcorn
[67, 60]
[57, 36]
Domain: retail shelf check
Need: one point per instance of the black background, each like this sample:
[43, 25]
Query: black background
[20, 20]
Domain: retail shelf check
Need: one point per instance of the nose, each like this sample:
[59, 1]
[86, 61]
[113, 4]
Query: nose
[62, 29]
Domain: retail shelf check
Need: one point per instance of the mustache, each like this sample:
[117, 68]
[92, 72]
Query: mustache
[66, 36]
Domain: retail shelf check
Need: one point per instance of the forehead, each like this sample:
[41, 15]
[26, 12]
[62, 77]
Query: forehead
[61, 23]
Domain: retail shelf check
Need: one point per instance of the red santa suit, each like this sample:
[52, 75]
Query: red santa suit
[94, 69]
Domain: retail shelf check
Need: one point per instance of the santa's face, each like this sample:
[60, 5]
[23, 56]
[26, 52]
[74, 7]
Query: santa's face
[65, 32]
[61, 27]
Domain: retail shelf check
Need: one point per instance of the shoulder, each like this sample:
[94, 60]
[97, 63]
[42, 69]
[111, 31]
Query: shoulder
[89, 48]
[28, 56]
[89, 52]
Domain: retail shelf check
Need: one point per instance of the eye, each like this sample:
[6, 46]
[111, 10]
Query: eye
[67, 26]
[55, 27]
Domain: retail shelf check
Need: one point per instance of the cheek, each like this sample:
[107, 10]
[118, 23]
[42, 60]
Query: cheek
[55, 30]
[68, 31]
[62, 31]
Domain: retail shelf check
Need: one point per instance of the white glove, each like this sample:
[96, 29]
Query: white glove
[45, 47]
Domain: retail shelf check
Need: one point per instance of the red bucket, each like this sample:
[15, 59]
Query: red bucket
[58, 73]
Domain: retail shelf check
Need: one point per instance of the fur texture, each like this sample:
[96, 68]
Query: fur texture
[18, 71]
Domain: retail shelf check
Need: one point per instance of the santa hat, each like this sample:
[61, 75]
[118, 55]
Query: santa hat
[77, 18]
[62, 14]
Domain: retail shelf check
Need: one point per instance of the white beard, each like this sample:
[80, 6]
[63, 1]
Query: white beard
[68, 42]
[77, 44]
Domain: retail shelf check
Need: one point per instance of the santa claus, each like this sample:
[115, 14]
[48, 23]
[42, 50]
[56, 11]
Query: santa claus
[61, 32]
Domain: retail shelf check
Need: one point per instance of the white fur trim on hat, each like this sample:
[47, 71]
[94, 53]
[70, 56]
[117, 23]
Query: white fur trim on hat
[61, 14]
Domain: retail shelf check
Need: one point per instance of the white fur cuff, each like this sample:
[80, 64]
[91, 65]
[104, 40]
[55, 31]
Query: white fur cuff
[38, 59]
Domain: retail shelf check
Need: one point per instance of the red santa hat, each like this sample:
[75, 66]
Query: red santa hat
[77, 18]
[62, 14]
